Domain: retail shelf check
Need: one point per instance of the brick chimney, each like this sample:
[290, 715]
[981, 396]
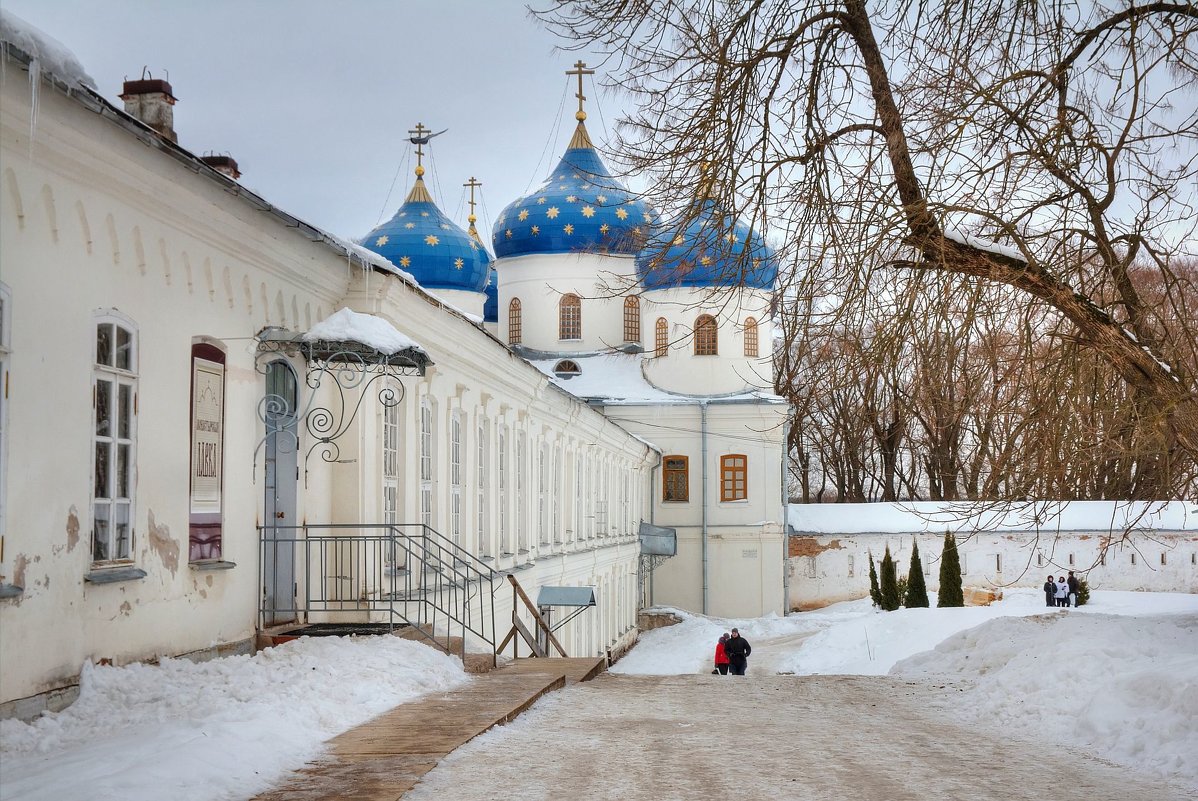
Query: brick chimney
[150, 100]
[225, 165]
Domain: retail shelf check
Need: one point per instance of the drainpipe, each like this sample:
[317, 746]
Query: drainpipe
[653, 511]
[703, 429]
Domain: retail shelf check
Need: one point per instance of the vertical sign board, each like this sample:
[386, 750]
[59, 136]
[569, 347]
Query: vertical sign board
[207, 452]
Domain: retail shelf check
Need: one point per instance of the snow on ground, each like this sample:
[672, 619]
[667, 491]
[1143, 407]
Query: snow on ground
[852, 638]
[1117, 677]
[1123, 688]
[223, 729]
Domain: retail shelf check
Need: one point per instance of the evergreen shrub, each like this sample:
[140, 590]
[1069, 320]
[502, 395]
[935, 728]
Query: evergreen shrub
[950, 593]
[915, 593]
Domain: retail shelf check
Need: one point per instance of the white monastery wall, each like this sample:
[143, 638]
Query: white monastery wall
[1157, 555]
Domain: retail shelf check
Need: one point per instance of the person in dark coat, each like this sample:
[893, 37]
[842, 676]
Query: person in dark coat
[738, 649]
[721, 657]
[1073, 585]
[1050, 592]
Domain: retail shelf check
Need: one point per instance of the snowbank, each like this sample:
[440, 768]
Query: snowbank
[224, 729]
[48, 54]
[916, 517]
[1125, 689]
[345, 325]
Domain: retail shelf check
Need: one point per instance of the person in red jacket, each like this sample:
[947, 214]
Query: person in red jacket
[721, 658]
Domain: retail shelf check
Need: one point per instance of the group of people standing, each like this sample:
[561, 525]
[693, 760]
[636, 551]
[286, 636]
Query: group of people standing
[1062, 591]
[732, 654]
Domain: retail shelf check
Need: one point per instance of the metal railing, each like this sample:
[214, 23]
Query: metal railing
[355, 572]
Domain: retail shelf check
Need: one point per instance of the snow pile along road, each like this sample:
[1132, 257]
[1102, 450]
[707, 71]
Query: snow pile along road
[1122, 688]
[223, 729]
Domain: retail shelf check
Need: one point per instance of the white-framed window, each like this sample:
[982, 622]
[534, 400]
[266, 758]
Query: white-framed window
[5, 350]
[521, 469]
[484, 543]
[504, 546]
[542, 503]
[556, 521]
[426, 462]
[455, 477]
[576, 534]
[391, 462]
[114, 437]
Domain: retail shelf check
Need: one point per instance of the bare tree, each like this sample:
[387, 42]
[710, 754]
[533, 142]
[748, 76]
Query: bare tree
[1046, 146]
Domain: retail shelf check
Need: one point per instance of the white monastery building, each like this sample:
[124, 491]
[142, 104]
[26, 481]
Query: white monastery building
[221, 425]
[221, 422]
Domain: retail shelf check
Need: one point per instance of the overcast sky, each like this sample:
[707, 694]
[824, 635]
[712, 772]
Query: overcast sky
[314, 99]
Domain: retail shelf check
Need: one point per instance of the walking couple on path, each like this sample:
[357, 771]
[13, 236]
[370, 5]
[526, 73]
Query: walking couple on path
[732, 654]
[1061, 592]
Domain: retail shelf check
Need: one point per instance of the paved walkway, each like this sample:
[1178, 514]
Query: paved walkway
[384, 757]
[811, 738]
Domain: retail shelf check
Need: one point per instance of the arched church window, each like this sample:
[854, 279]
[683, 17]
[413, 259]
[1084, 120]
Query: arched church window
[662, 342]
[706, 336]
[632, 319]
[570, 318]
[751, 337]
[566, 368]
[514, 327]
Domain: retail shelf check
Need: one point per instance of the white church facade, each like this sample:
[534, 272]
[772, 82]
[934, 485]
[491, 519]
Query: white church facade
[219, 420]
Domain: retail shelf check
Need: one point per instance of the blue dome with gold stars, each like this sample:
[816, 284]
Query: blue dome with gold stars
[714, 250]
[423, 241]
[580, 207]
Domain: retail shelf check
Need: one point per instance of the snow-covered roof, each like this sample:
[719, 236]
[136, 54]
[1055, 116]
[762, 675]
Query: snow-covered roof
[618, 378]
[934, 517]
[345, 325]
[46, 53]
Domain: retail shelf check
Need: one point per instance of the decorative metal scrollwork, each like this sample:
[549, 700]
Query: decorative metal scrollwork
[347, 370]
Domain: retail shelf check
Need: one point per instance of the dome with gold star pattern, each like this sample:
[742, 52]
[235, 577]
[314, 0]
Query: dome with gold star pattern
[580, 207]
[423, 241]
[709, 248]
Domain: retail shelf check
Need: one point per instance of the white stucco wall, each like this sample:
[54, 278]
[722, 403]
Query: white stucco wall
[745, 544]
[728, 371]
[541, 280]
[826, 567]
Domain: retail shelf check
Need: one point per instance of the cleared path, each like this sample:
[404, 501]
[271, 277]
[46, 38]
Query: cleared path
[777, 737]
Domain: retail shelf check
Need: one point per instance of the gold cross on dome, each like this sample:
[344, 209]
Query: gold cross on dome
[419, 136]
[473, 183]
[580, 69]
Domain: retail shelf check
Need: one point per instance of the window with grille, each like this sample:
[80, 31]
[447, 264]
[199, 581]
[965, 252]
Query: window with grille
[114, 388]
[570, 317]
[514, 325]
[675, 478]
[632, 319]
[661, 345]
[706, 336]
[751, 337]
[734, 476]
